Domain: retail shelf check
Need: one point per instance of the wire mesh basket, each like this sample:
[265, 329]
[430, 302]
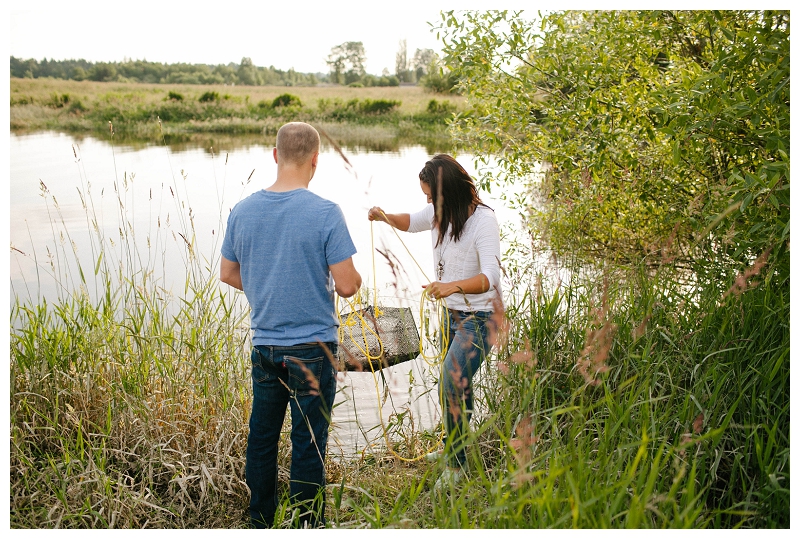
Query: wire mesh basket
[370, 342]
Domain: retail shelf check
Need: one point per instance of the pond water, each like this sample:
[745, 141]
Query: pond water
[152, 195]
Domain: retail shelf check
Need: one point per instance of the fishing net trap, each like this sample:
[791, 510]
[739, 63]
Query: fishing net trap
[376, 337]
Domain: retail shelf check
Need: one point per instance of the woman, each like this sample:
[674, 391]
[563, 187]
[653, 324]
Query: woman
[466, 254]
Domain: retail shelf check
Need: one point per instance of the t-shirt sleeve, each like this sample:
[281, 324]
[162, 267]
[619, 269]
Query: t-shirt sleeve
[227, 242]
[339, 245]
[421, 220]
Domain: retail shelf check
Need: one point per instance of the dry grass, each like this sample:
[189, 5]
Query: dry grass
[414, 99]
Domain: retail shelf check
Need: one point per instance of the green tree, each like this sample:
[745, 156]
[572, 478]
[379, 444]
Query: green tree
[665, 135]
[103, 72]
[346, 62]
[439, 78]
[226, 72]
[422, 61]
[401, 65]
[247, 73]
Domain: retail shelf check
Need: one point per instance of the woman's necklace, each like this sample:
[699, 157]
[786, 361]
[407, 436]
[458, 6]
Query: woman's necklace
[443, 248]
[440, 267]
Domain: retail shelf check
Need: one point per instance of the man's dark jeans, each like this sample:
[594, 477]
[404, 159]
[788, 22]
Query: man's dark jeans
[304, 378]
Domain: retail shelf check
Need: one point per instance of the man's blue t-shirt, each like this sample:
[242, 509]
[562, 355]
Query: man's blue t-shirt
[284, 243]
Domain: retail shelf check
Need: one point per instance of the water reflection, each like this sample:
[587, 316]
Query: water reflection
[356, 138]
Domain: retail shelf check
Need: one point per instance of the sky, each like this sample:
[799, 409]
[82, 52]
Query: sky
[225, 31]
[179, 31]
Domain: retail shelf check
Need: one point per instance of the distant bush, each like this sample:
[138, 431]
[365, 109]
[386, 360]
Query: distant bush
[58, 101]
[287, 100]
[378, 106]
[441, 107]
[264, 104]
[76, 107]
[327, 105]
[440, 82]
[353, 108]
[175, 96]
[372, 80]
[355, 85]
[209, 96]
[22, 100]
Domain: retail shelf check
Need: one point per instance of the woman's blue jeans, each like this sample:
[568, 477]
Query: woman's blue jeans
[304, 378]
[468, 347]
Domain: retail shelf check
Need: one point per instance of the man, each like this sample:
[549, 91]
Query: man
[288, 249]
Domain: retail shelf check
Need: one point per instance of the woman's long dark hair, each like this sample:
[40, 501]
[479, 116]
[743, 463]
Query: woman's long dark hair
[453, 193]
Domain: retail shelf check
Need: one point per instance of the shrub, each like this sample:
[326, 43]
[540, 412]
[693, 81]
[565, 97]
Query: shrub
[76, 107]
[391, 80]
[175, 96]
[372, 80]
[355, 85]
[58, 101]
[287, 100]
[441, 107]
[326, 104]
[378, 106]
[22, 100]
[440, 82]
[209, 96]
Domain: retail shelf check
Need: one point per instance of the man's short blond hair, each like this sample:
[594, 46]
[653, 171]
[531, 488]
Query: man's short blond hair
[297, 142]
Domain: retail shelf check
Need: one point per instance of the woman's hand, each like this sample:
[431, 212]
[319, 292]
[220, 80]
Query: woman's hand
[376, 214]
[438, 290]
[400, 221]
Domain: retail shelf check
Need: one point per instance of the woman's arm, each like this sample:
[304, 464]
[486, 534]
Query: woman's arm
[400, 221]
[487, 244]
[477, 284]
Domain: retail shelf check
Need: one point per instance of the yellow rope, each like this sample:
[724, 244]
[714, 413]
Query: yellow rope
[444, 321]
[432, 360]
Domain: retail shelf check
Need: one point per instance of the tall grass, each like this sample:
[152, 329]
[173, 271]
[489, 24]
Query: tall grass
[618, 401]
[127, 403]
[683, 422]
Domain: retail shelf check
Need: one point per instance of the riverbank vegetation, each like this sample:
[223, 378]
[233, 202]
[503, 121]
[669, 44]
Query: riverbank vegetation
[145, 112]
[665, 142]
[640, 377]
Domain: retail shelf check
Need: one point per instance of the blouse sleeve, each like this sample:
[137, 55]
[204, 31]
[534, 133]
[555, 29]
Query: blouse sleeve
[421, 220]
[487, 243]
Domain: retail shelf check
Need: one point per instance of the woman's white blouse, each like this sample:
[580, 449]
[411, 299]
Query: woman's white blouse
[478, 251]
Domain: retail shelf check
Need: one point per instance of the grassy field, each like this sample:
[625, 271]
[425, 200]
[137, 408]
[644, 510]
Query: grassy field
[621, 400]
[145, 111]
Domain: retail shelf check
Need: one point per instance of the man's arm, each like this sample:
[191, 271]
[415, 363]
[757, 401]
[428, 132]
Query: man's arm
[346, 278]
[229, 273]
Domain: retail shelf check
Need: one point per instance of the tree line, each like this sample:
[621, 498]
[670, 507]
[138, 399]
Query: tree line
[245, 73]
[346, 66]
